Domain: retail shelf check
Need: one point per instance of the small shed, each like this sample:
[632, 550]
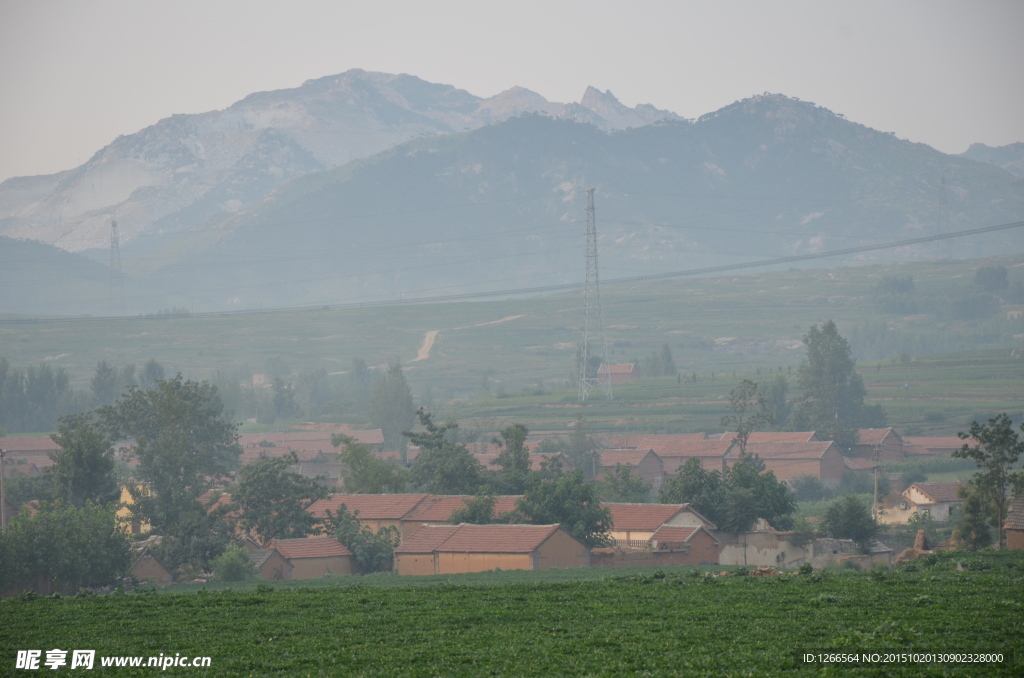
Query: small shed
[455, 549]
[147, 567]
[270, 564]
[695, 545]
[315, 557]
[885, 441]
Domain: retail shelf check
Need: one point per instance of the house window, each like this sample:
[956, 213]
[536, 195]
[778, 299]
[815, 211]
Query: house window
[903, 506]
[926, 512]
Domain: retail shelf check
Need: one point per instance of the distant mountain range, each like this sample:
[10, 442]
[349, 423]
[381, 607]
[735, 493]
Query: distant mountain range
[368, 186]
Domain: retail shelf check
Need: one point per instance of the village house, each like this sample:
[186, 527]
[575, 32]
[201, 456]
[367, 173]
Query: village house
[269, 563]
[315, 557]
[884, 441]
[711, 453]
[761, 545]
[1014, 524]
[933, 499]
[789, 460]
[147, 567]
[437, 509]
[618, 374]
[696, 545]
[456, 549]
[375, 510]
[643, 464]
[934, 446]
[635, 524]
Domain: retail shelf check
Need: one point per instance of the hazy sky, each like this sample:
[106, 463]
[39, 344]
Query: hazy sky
[77, 74]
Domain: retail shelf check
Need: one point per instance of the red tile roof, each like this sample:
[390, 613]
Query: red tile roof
[938, 491]
[620, 369]
[427, 539]
[874, 436]
[497, 538]
[316, 547]
[673, 535]
[1015, 515]
[439, 508]
[642, 516]
[609, 458]
[812, 450]
[370, 506]
[14, 445]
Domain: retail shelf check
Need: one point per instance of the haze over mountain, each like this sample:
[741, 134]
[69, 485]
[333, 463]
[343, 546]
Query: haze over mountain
[447, 193]
[188, 169]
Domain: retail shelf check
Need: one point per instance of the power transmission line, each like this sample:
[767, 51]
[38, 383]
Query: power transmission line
[563, 287]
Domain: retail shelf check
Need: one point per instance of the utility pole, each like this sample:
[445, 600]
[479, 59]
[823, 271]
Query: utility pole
[874, 503]
[592, 307]
[3, 497]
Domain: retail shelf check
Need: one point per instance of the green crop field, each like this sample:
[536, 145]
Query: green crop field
[720, 330]
[662, 623]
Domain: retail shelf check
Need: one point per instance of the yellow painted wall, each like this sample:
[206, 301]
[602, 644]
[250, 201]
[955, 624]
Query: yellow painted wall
[457, 563]
[314, 568]
[415, 563]
[124, 513]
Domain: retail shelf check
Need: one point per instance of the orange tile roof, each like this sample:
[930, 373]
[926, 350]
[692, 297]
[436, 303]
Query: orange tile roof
[938, 491]
[625, 368]
[439, 508]
[370, 506]
[812, 450]
[14, 445]
[497, 538]
[642, 516]
[873, 436]
[315, 547]
[427, 539]
[673, 535]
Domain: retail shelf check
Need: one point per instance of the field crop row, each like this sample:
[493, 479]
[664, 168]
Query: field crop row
[675, 623]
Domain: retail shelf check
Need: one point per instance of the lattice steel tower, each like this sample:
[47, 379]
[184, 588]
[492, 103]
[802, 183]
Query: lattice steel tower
[116, 279]
[593, 367]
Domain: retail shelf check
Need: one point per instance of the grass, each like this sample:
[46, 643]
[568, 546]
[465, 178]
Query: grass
[669, 622]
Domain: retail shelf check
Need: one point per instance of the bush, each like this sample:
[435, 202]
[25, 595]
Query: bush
[233, 565]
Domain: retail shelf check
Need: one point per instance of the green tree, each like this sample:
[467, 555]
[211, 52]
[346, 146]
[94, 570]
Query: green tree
[770, 499]
[390, 407]
[152, 372]
[83, 467]
[702, 489]
[104, 383]
[573, 502]
[622, 486]
[357, 386]
[374, 552]
[66, 546]
[832, 398]
[850, 518]
[363, 473]
[443, 467]
[992, 278]
[749, 412]
[776, 407]
[479, 510]
[184, 443]
[514, 459]
[283, 399]
[272, 502]
[233, 565]
[582, 450]
[997, 448]
[972, 530]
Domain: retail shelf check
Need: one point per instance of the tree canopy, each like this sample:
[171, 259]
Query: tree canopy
[83, 467]
[832, 393]
[443, 467]
[850, 518]
[272, 501]
[997, 448]
[571, 500]
[363, 473]
[390, 407]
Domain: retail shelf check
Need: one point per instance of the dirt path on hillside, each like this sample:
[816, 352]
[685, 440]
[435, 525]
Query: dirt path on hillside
[428, 343]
